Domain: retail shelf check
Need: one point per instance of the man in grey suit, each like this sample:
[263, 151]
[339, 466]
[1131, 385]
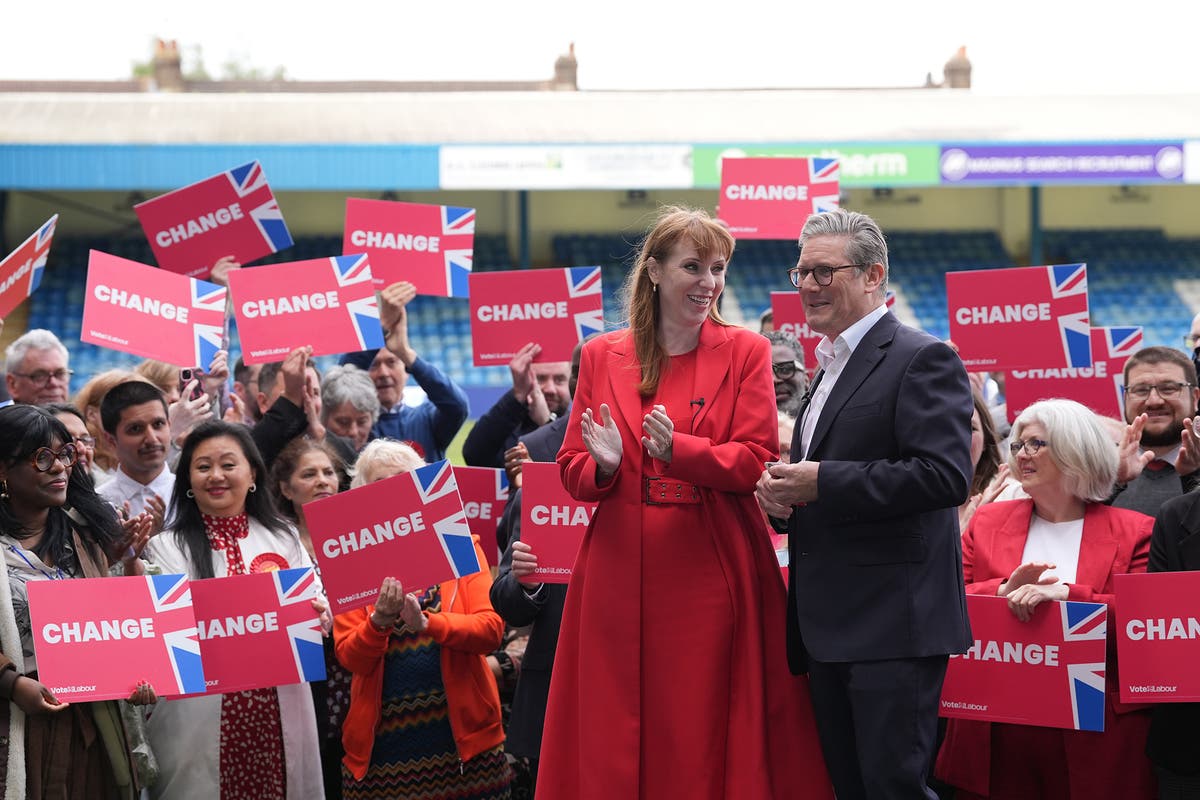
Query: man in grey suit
[881, 462]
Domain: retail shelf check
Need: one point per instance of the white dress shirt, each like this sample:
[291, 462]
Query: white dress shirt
[122, 488]
[833, 357]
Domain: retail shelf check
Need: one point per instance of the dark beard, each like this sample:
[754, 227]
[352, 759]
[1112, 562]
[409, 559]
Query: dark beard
[1168, 438]
[791, 407]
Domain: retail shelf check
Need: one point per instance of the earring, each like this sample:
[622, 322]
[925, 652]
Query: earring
[253, 488]
[3, 490]
[655, 289]
[190, 493]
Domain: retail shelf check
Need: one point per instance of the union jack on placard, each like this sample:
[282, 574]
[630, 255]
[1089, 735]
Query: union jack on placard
[169, 592]
[308, 649]
[458, 271]
[208, 296]
[274, 230]
[1087, 696]
[584, 291]
[41, 253]
[1083, 621]
[1067, 279]
[823, 170]
[183, 649]
[457, 220]
[364, 316]
[434, 480]
[457, 543]
[1076, 334]
[247, 178]
[294, 585]
[1123, 341]
[352, 269]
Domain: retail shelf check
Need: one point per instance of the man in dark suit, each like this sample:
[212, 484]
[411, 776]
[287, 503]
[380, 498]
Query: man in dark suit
[881, 462]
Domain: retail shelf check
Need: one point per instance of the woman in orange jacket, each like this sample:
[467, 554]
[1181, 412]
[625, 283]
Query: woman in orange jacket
[424, 715]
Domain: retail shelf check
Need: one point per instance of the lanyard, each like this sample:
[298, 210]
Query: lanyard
[58, 572]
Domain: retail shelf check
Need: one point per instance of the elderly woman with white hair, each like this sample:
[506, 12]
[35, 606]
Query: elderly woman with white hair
[1062, 543]
[424, 718]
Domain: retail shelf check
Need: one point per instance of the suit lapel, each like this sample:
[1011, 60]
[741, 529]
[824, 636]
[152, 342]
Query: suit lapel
[624, 374]
[1097, 549]
[863, 360]
[712, 365]
[1008, 545]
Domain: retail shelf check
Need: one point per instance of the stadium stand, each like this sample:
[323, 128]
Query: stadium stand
[1166, 272]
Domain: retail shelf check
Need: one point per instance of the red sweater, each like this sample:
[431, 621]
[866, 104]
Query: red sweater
[467, 629]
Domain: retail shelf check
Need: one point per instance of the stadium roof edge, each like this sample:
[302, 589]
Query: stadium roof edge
[591, 117]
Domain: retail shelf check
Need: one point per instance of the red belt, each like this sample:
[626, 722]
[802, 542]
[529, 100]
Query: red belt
[661, 491]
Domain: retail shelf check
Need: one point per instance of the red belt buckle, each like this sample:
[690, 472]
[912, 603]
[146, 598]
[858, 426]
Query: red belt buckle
[663, 491]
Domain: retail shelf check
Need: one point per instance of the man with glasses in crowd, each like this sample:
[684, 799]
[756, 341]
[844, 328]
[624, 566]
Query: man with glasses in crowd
[787, 364]
[1159, 456]
[37, 371]
[881, 462]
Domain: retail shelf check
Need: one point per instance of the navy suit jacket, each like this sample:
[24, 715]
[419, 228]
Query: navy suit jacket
[876, 561]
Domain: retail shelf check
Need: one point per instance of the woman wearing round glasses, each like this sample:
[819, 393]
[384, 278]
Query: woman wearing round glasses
[53, 526]
[1063, 543]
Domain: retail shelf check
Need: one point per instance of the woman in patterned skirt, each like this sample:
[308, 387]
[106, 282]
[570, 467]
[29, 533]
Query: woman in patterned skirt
[424, 721]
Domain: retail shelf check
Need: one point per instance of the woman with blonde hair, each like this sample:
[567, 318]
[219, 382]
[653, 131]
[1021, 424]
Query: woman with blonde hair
[424, 717]
[1061, 543]
[670, 677]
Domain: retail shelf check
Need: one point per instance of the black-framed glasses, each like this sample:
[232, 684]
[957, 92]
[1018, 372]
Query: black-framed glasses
[822, 275]
[43, 458]
[1166, 390]
[41, 377]
[784, 369]
[1030, 446]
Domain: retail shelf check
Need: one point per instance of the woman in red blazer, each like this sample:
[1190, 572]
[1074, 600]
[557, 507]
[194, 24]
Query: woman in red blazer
[1061, 544]
[671, 678]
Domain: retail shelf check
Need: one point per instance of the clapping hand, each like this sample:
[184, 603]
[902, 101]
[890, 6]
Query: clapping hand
[659, 433]
[602, 440]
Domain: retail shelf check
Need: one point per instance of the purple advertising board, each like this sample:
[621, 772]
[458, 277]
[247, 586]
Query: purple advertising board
[1143, 162]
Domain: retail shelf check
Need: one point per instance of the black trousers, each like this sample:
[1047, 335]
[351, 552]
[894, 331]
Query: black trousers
[877, 721]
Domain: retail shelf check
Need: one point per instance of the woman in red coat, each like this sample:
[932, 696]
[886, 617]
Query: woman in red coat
[670, 678]
[1061, 544]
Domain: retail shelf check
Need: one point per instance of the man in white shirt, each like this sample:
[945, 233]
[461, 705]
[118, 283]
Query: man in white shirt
[134, 416]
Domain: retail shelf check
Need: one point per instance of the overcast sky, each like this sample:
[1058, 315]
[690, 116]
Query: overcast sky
[1017, 47]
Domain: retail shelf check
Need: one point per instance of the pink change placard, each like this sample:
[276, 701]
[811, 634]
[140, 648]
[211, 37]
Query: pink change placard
[233, 213]
[21, 271]
[552, 522]
[1048, 671]
[151, 312]
[555, 308]
[430, 246]
[770, 198]
[411, 527]
[95, 638]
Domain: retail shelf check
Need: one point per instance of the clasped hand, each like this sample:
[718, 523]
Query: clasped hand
[393, 606]
[1029, 586]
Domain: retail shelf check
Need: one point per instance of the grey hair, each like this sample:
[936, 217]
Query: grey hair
[36, 339]
[1077, 444]
[384, 453]
[865, 243]
[787, 340]
[348, 384]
